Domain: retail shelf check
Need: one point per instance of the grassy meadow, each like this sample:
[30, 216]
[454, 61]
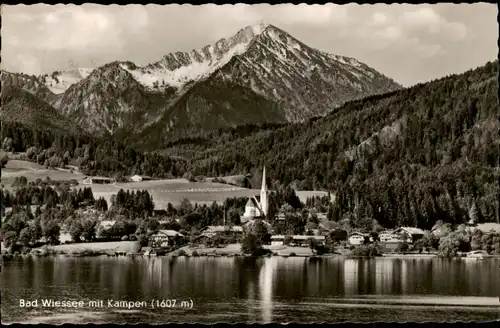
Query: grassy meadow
[104, 247]
[235, 249]
[163, 191]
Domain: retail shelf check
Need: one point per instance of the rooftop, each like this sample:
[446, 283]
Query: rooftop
[99, 178]
[487, 227]
[223, 228]
[169, 233]
[412, 230]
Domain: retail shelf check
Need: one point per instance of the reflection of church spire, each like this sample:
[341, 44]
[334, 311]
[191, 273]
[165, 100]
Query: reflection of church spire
[263, 193]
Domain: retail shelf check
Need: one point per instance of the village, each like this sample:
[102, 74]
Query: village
[261, 229]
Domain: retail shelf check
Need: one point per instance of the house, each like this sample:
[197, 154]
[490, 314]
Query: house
[202, 239]
[139, 178]
[409, 234]
[97, 180]
[277, 240]
[488, 227]
[107, 224]
[357, 238]
[104, 227]
[65, 237]
[164, 238]
[255, 208]
[389, 236]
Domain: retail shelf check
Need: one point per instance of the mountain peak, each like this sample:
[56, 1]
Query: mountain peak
[251, 31]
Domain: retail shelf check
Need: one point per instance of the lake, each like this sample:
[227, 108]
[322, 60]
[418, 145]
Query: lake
[210, 290]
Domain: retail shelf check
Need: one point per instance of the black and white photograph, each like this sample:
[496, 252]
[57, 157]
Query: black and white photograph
[249, 163]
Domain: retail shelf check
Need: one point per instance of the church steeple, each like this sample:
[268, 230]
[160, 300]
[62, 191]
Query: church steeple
[263, 193]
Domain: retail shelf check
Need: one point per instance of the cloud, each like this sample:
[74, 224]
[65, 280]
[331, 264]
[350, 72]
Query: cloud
[313, 14]
[427, 19]
[421, 30]
[50, 37]
[29, 63]
[379, 18]
[389, 33]
[455, 31]
[422, 18]
[76, 28]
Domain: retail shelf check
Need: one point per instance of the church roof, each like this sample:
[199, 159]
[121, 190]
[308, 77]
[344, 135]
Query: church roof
[252, 201]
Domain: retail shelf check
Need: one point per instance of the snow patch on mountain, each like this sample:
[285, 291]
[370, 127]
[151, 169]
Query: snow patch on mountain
[59, 82]
[194, 71]
[197, 64]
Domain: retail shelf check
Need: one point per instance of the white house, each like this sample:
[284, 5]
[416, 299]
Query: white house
[139, 178]
[389, 237]
[164, 238]
[356, 238]
[277, 240]
[487, 227]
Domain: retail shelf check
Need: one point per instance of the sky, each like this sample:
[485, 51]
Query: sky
[409, 43]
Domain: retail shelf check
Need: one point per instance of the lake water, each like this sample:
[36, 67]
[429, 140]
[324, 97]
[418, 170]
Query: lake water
[210, 290]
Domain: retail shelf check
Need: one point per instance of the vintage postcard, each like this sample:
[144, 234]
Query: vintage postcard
[249, 163]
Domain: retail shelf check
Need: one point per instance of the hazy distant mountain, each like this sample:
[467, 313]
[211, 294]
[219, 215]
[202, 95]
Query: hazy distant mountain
[261, 74]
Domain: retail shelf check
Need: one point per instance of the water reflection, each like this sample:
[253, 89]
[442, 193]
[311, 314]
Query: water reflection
[255, 290]
[266, 278]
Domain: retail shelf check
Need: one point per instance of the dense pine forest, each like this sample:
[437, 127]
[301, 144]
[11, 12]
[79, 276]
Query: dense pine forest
[411, 157]
[407, 158]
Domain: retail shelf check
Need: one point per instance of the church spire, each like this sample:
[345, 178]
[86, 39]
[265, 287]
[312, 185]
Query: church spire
[263, 193]
[264, 185]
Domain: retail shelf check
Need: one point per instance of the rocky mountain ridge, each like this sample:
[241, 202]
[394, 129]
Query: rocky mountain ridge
[261, 74]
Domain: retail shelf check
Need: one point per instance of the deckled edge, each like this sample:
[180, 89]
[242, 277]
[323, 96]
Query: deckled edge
[339, 2]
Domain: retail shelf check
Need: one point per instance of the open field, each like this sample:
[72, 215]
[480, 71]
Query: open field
[33, 171]
[163, 191]
[174, 191]
[236, 180]
[287, 250]
[112, 246]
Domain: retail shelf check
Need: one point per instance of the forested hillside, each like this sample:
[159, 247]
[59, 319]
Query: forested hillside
[21, 106]
[411, 157]
[94, 156]
[407, 158]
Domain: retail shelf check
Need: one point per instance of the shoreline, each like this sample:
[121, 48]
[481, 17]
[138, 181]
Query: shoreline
[5, 256]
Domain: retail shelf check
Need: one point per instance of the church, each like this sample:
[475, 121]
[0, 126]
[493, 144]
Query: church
[257, 209]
